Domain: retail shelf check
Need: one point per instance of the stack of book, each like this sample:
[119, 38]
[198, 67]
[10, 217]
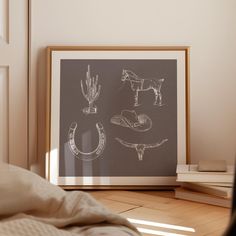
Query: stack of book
[213, 188]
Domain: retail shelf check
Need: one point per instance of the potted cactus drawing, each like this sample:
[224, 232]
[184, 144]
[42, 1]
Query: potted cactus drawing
[91, 92]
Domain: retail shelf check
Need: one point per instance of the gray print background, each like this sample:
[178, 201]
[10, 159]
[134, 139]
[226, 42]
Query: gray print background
[115, 96]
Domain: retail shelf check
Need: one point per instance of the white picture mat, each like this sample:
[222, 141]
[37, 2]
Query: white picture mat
[57, 56]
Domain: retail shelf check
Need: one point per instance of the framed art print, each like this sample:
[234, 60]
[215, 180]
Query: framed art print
[117, 117]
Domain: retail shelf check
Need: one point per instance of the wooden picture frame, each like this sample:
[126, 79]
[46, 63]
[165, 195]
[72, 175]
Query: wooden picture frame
[117, 117]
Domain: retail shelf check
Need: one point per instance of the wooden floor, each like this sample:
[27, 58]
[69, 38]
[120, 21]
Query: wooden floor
[160, 214]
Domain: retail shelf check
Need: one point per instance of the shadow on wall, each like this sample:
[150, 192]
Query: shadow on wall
[37, 162]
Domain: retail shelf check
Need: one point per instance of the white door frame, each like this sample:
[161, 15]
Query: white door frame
[14, 81]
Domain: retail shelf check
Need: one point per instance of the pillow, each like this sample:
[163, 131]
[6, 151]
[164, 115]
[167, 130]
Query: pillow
[22, 191]
[25, 195]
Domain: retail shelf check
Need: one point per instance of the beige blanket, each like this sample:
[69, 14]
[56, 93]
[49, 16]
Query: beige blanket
[30, 206]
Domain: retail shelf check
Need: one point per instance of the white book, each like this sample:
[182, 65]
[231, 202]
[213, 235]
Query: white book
[225, 192]
[183, 168]
[189, 173]
[229, 185]
[184, 194]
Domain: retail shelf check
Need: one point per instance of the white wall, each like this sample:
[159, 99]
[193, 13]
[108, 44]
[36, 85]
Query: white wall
[208, 26]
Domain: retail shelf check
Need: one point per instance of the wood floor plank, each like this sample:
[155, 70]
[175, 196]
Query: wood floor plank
[198, 212]
[166, 194]
[218, 232]
[161, 207]
[146, 200]
[211, 227]
[117, 207]
[98, 194]
[143, 213]
[155, 220]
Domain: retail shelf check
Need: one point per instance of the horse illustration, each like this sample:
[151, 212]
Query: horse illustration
[138, 84]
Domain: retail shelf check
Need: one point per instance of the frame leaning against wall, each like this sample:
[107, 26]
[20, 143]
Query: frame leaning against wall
[134, 144]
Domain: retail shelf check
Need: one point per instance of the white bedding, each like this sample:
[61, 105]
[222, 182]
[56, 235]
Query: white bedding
[30, 206]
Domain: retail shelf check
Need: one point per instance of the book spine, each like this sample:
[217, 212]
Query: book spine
[207, 189]
[205, 178]
[201, 199]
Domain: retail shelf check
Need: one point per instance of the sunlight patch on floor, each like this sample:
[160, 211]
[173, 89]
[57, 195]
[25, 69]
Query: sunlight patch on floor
[157, 232]
[162, 225]
[159, 225]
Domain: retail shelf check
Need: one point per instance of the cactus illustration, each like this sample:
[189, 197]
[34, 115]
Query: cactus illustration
[91, 93]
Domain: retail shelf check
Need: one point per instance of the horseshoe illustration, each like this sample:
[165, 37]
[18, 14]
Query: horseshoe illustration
[87, 156]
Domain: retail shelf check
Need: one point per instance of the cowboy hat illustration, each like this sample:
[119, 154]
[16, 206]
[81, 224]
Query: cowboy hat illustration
[130, 119]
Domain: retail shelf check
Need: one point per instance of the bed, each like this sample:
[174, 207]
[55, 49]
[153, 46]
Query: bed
[29, 205]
